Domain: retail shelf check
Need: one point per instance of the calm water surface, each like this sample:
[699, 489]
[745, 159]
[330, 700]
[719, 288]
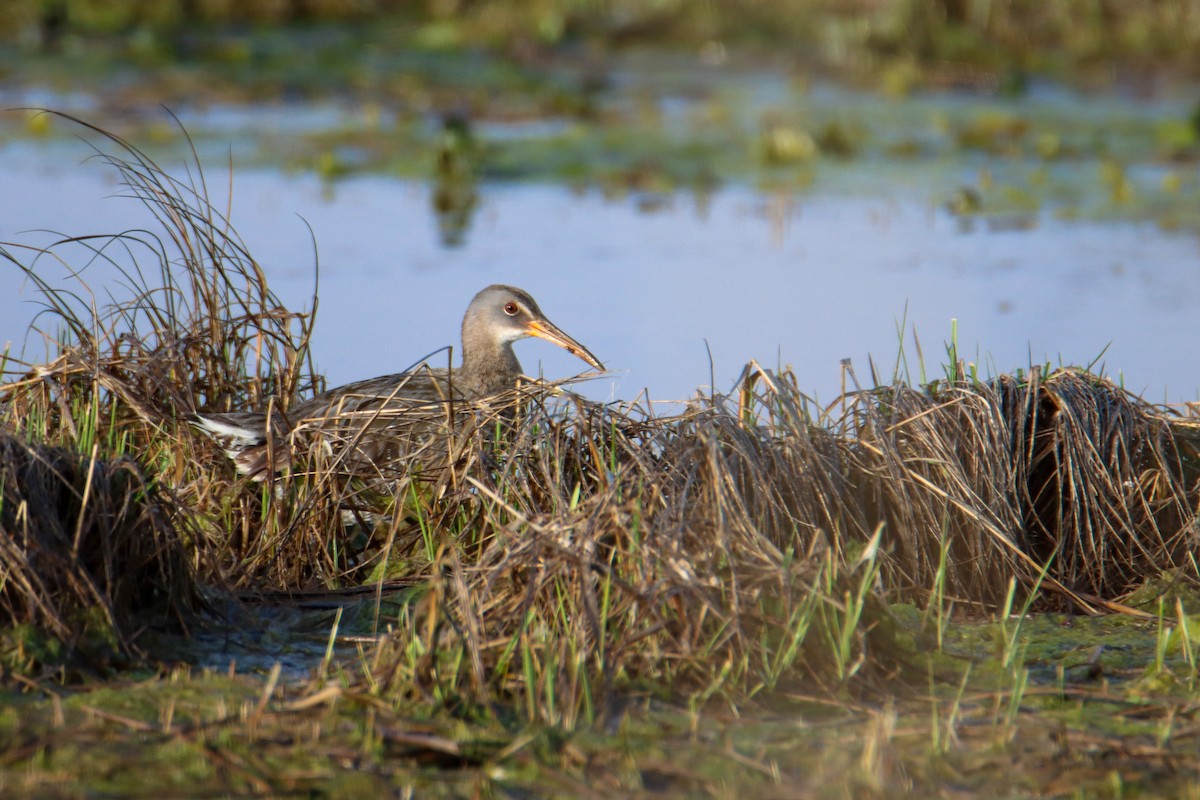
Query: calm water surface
[677, 297]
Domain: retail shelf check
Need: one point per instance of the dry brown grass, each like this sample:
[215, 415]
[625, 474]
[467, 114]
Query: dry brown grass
[88, 548]
[695, 548]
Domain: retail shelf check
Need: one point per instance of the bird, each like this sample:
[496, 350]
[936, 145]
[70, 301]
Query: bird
[368, 422]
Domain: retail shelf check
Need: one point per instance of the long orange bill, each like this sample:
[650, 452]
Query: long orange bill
[545, 329]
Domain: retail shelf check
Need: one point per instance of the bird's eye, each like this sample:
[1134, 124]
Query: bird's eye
[511, 309]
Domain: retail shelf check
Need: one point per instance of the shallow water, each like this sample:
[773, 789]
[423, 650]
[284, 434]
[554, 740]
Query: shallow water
[654, 284]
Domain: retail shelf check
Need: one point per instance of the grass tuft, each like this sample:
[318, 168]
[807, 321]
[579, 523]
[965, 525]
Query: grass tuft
[88, 552]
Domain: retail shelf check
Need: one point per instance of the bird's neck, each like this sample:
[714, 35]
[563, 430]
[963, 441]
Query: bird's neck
[488, 367]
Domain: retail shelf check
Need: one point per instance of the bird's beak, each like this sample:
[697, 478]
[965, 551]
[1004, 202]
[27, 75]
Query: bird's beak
[545, 329]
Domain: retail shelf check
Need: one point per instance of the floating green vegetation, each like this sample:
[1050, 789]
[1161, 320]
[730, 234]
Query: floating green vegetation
[942, 92]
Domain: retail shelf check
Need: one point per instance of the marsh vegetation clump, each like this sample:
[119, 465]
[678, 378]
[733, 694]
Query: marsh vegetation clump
[100, 505]
[1058, 477]
[88, 553]
[565, 551]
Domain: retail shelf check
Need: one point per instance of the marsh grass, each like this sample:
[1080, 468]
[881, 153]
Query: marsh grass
[572, 552]
[89, 553]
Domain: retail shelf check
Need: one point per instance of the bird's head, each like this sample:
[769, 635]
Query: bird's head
[502, 314]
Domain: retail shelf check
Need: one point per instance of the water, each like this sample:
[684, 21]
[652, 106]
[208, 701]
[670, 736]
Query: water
[805, 281]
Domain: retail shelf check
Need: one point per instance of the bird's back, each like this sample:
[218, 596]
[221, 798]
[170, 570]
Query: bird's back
[360, 425]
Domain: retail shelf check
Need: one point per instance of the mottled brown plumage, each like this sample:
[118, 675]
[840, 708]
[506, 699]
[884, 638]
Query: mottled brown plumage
[370, 421]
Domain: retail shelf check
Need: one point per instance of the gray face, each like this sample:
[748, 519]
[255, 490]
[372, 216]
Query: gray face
[503, 314]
